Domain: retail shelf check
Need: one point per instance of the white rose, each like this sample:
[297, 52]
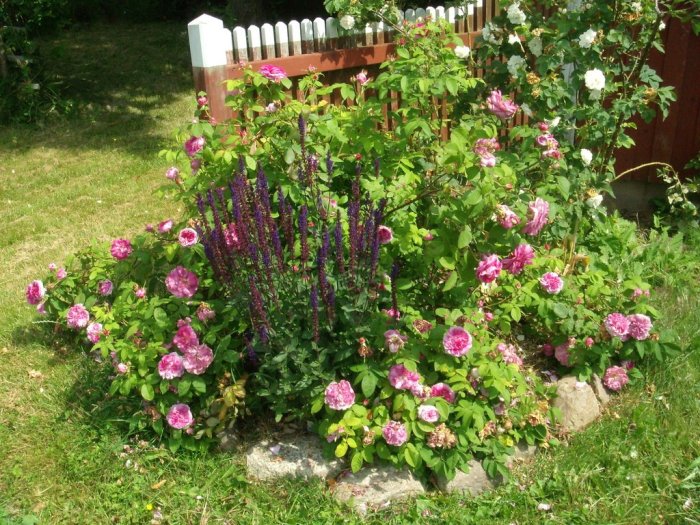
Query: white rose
[586, 156]
[594, 202]
[594, 79]
[487, 33]
[462, 51]
[515, 15]
[535, 46]
[636, 7]
[586, 39]
[513, 39]
[347, 22]
[662, 26]
[554, 122]
[515, 64]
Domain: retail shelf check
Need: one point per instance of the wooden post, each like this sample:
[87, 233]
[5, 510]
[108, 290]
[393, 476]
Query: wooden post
[210, 46]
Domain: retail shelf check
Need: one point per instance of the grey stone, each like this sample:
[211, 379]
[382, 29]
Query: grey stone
[375, 487]
[600, 391]
[298, 455]
[228, 440]
[470, 483]
[522, 452]
[577, 403]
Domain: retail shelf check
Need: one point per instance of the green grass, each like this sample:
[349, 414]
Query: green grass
[62, 457]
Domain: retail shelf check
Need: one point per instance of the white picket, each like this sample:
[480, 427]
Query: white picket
[410, 15]
[240, 44]
[420, 14]
[206, 36]
[267, 34]
[451, 15]
[307, 36]
[379, 36]
[281, 39]
[440, 12]
[254, 43]
[431, 12]
[294, 37]
[319, 34]
[368, 36]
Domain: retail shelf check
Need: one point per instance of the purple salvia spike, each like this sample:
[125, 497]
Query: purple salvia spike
[314, 310]
[330, 302]
[329, 164]
[303, 233]
[222, 204]
[338, 234]
[325, 242]
[263, 189]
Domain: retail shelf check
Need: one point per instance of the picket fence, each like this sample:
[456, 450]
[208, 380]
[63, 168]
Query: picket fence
[217, 52]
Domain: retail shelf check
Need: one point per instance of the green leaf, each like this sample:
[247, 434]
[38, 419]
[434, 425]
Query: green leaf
[317, 405]
[369, 384]
[199, 385]
[560, 310]
[160, 316]
[356, 462]
[183, 386]
[147, 392]
[451, 281]
[289, 155]
[473, 197]
[341, 449]
[465, 237]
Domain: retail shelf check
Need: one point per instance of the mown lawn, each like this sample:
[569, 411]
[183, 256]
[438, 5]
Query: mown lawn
[62, 455]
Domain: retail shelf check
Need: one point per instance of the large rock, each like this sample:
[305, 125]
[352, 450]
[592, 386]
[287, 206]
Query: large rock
[600, 391]
[522, 452]
[297, 455]
[375, 487]
[577, 403]
[470, 483]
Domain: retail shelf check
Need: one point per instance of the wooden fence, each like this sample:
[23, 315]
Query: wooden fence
[295, 46]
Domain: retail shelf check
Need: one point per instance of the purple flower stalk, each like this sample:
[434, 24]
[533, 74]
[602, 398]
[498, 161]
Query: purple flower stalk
[303, 233]
[338, 234]
[329, 164]
[314, 310]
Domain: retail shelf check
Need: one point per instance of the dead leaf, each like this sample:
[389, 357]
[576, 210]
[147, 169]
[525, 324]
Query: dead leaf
[158, 485]
[35, 374]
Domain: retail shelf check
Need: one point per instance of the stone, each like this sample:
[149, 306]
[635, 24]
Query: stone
[577, 403]
[298, 455]
[600, 391]
[522, 452]
[228, 440]
[375, 487]
[470, 483]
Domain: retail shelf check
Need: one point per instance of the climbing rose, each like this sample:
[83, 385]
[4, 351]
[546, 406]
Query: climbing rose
[594, 80]
[165, 226]
[197, 359]
[170, 366]
[586, 39]
[586, 156]
[122, 368]
[187, 237]
[340, 395]
[589, 342]
[537, 214]
[274, 73]
[639, 326]
[172, 173]
[615, 378]
[205, 313]
[506, 217]
[140, 292]
[347, 22]
[35, 292]
[510, 354]
[61, 273]
[394, 340]
[77, 316]
[462, 51]
[401, 378]
[121, 249]
[194, 145]
[561, 353]
[522, 256]
[617, 325]
[384, 234]
[180, 416]
[202, 101]
[182, 283]
[105, 287]
[457, 341]
[231, 237]
[394, 433]
[552, 283]
[362, 77]
[485, 149]
[428, 413]
[185, 337]
[516, 16]
[489, 268]
[444, 391]
[501, 107]
[94, 331]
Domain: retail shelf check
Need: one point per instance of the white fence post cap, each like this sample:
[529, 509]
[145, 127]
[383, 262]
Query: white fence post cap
[208, 41]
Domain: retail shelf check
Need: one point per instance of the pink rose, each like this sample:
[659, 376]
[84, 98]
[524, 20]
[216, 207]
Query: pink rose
[274, 73]
[197, 359]
[182, 283]
[510, 354]
[384, 234]
[489, 268]
[140, 292]
[457, 341]
[165, 226]
[615, 378]
[444, 391]
[639, 326]
[194, 145]
[94, 332]
[501, 107]
[395, 433]
[61, 274]
[617, 324]
[171, 366]
[552, 283]
[522, 256]
[105, 287]
[428, 413]
[589, 342]
[52, 267]
[401, 378]
[485, 149]
[187, 237]
[122, 368]
[394, 340]
[179, 416]
[35, 292]
[506, 217]
[202, 101]
[340, 395]
[362, 77]
[172, 174]
[120, 249]
[205, 313]
[77, 317]
[231, 237]
[185, 337]
[537, 214]
[391, 312]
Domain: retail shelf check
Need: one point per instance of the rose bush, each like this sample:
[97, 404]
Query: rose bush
[399, 290]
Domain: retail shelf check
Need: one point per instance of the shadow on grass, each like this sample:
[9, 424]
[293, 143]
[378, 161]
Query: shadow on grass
[120, 78]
